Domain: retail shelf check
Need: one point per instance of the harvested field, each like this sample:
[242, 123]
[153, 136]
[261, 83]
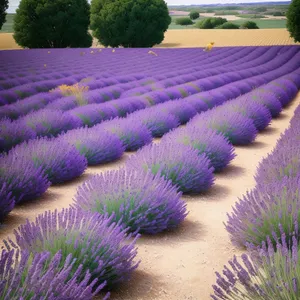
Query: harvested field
[200, 38]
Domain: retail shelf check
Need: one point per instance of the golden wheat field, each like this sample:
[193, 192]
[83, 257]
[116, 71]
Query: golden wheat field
[200, 38]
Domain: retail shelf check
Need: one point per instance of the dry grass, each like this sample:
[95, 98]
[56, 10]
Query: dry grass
[201, 37]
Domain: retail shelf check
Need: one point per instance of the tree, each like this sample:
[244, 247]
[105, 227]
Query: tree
[194, 15]
[184, 21]
[3, 8]
[52, 24]
[228, 25]
[211, 23]
[129, 23]
[249, 25]
[293, 20]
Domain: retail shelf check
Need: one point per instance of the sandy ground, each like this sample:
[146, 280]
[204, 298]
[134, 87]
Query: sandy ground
[177, 265]
[201, 37]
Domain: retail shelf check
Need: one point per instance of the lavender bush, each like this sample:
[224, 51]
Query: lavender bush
[206, 141]
[7, 201]
[238, 129]
[12, 133]
[97, 146]
[42, 277]
[258, 214]
[133, 135]
[157, 121]
[142, 202]
[20, 179]
[188, 171]
[59, 160]
[100, 246]
[263, 274]
[49, 123]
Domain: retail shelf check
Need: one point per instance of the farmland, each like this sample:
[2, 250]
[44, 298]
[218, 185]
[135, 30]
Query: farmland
[175, 137]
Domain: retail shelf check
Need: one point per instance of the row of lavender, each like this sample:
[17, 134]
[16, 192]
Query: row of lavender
[228, 60]
[52, 122]
[266, 222]
[43, 162]
[143, 197]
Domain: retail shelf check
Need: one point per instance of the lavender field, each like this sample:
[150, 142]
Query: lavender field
[111, 158]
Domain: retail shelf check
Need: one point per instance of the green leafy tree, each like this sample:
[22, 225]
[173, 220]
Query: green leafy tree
[293, 20]
[211, 23]
[52, 24]
[249, 25]
[228, 25]
[3, 9]
[184, 21]
[129, 23]
[194, 15]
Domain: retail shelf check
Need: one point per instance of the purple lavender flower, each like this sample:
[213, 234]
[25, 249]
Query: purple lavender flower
[181, 109]
[13, 133]
[262, 274]
[238, 129]
[215, 146]
[59, 160]
[142, 202]
[49, 123]
[188, 171]
[257, 215]
[157, 121]
[268, 99]
[98, 146]
[20, 179]
[7, 200]
[100, 246]
[260, 115]
[43, 276]
[133, 135]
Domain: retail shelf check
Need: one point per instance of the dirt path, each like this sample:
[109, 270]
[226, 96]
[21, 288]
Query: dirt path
[178, 265]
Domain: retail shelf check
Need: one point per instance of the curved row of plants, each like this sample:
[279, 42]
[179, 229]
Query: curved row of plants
[265, 221]
[46, 161]
[53, 122]
[95, 86]
[91, 245]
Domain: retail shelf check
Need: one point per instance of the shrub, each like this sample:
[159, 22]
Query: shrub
[181, 109]
[238, 129]
[41, 276]
[258, 214]
[194, 15]
[118, 23]
[183, 21]
[13, 133]
[50, 123]
[3, 8]
[60, 161]
[157, 121]
[34, 22]
[279, 164]
[7, 200]
[188, 171]
[249, 25]
[20, 179]
[206, 141]
[97, 146]
[263, 274]
[259, 114]
[133, 135]
[210, 23]
[228, 25]
[269, 100]
[100, 246]
[142, 202]
[278, 14]
[293, 21]
[289, 88]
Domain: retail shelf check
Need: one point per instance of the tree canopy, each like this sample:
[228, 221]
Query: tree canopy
[293, 20]
[3, 9]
